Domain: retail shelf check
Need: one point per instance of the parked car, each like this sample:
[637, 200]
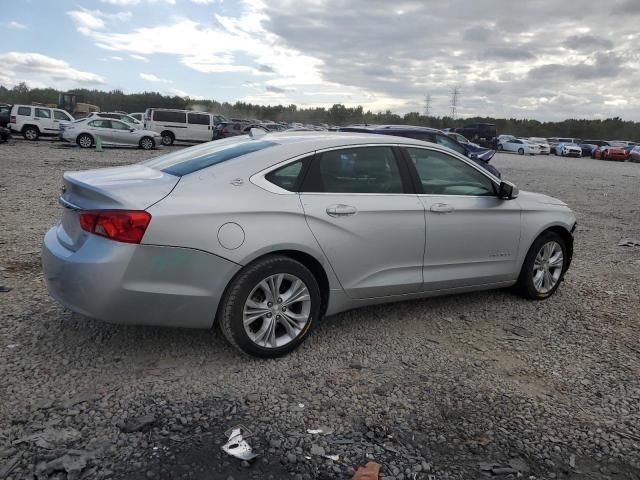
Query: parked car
[182, 125]
[568, 150]
[587, 148]
[520, 146]
[32, 121]
[599, 143]
[232, 129]
[269, 256]
[138, 116]
[621, 143]
[610, 153]
[483, 134]
[545, 148]
[480, 155]
[504, 138]
[555, 141]
[5, 134]
[111, 132]
[5, 114]
[125, 117]
[634, 155]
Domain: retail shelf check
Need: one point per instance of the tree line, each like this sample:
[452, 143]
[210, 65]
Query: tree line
[610, 129]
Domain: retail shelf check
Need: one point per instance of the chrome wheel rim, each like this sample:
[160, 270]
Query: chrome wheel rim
[30, 134]
[277, 310]
[547, 267]
[146, 144]
[85, 141]
[166, 140]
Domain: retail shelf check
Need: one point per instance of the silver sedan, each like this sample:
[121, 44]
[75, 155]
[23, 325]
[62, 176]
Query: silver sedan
[111, 132]
[265, 234]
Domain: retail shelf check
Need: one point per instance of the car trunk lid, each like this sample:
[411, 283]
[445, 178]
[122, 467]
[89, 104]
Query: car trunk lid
[133, 187]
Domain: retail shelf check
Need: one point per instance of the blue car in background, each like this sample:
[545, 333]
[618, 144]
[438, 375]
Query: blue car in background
[478, 154]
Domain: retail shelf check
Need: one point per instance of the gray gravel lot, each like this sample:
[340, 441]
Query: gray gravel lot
[460, 387]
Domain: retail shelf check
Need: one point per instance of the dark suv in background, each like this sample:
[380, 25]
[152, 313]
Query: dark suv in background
[484, 134]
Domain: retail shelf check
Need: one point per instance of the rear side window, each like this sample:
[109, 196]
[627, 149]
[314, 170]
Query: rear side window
[202, 156]
[286, 177]
[355, 170]
[164, 116]
[198, 119]
[101, 123]
[450, 143]
[25, 111]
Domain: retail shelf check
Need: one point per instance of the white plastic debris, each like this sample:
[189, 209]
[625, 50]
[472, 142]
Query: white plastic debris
[335, 458]
[238, 447]
[320, 431]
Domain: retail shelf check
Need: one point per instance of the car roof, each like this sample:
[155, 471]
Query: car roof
[388, 128]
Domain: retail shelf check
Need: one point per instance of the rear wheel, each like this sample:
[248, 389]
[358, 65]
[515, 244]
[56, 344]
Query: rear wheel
[521, 151]
[168, 138]
[543, 267]
[270, 306]
[31, 133]
[500, 147]
[84, 140]
[147, 143]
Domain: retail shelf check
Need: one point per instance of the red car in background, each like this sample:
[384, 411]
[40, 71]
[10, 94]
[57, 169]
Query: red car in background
[610, 153]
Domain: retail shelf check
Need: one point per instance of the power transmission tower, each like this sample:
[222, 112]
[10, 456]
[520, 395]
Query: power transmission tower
[455, 98]
[427, 105]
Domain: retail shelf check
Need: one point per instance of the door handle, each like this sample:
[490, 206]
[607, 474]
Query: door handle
[442, 208]
[341, 210]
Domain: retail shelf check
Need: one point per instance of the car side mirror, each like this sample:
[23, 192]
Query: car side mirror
[132, 129]
[508, 191]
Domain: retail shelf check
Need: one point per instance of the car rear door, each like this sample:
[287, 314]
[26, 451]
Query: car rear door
[359, 204]
[472, 236]
[199, 127]
[44, 120]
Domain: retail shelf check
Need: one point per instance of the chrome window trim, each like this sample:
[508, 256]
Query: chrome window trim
[259, 179]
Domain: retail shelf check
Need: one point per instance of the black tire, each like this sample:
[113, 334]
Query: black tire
[31, 133]
[147, 143]
[521, 151]
[524, 286]
[168, 138]
[230, 313]
[500, 147]
[84, 140]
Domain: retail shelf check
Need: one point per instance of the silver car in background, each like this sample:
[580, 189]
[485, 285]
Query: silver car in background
[267, 233]
[111, 132]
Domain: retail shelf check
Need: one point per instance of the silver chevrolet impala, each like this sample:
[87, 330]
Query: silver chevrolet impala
[264, 234]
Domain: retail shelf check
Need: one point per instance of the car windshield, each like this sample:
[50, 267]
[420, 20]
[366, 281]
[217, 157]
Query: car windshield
[196, 158]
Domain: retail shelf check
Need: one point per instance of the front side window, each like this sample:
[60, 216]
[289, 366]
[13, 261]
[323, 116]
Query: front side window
[450, 143]
[198, 119]
[60, 115]
[43, 113]
[356, 170]
[24, 111]
[196, 158]
[118, 125]
[442, 174]
[286, 177]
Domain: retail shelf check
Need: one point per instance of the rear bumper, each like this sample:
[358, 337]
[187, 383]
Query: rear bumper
[136, 284]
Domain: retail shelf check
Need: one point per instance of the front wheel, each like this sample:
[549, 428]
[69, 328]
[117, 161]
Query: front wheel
[167, 139]
[85, 140]
[543, 267]
[521, 151]
[270, 306]
[500, 147]
[31, 133]
[147, 143]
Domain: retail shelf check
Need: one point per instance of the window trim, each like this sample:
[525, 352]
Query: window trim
[418, 184]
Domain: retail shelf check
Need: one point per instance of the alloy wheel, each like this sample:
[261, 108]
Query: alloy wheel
[277, 310]
[146, 143]
[31, 134]
[547, 267]
[85, 141]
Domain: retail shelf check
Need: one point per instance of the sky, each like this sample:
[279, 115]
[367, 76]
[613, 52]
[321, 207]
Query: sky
[542, 59]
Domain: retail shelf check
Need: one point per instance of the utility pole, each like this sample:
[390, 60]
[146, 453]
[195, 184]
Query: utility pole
[455, 98]
[427, 105]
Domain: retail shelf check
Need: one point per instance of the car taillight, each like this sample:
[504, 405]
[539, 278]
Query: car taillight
[12, 119]
[120, 225]
[224, 130]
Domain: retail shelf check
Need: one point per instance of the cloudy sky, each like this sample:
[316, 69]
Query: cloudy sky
[544, 59]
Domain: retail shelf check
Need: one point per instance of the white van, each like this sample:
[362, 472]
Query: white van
[32, 121]
[182, 125]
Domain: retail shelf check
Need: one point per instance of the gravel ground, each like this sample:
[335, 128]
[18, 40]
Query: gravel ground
[460, 387]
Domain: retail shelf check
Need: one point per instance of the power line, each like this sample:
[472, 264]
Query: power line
[455, 98]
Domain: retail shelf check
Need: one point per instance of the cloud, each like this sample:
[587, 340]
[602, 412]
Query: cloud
[15, 25]
[150, 77]
[587, 42]
[136, 2]
[35, 67]
[88, 20]
[139, 57]
[477, 34]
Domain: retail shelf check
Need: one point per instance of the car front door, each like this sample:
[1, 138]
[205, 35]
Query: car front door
[122, 134]
[45, 121]
[60, 117]
[359, 204]
[101, 127]
[472, 235]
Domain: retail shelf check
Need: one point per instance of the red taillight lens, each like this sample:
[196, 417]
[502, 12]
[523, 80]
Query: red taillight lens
[12, 119]
[120, 225]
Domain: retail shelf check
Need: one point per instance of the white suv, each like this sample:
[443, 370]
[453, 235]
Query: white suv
[32, 121]
[183, 125]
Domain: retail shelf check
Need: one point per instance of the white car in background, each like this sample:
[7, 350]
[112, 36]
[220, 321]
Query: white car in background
[128, 119]
[519, 146]
[33, 121]
[545, 148]
[568, 150]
